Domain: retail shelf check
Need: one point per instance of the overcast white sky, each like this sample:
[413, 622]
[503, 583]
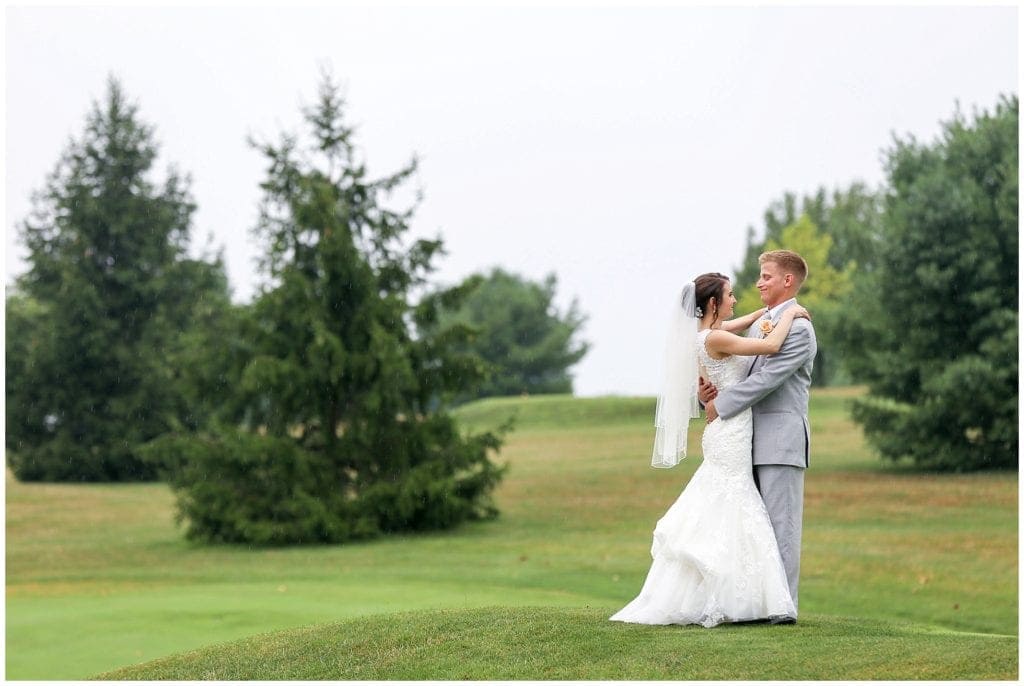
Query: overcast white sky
[624, 149]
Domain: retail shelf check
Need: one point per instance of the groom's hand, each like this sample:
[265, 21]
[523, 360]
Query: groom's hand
[706, 391]
[711, 412]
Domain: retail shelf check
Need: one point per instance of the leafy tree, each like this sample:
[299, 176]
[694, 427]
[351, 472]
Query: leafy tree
[526, 344]
[828, 284]
[822, 293]
[937, 338]
[851, 218]
[108, 288]
[340, 436]
[840, 238]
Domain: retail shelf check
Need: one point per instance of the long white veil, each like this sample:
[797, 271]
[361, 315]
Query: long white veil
[677, 403]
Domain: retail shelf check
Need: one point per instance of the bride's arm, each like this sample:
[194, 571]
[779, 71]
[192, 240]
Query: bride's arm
[725, 343]
[744, 322]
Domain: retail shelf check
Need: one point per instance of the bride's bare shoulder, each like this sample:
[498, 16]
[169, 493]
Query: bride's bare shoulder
[716, 343]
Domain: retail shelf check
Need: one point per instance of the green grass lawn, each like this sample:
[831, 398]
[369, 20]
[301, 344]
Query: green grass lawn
[899, 568]
[534, 643]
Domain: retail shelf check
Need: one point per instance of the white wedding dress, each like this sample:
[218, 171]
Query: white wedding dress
[715, 555]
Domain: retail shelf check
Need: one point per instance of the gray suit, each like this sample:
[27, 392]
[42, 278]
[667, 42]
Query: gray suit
[777, 389]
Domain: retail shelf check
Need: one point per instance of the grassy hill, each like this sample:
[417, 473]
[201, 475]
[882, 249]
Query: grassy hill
[499, 643]
[99, 577]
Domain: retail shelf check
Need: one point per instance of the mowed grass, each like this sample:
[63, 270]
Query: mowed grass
[499, 643]
[99, 577]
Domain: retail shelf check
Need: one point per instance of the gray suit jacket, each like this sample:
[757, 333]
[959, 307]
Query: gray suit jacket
[777, 389]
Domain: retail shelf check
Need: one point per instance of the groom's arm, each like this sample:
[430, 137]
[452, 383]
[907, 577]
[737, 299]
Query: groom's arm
[772, 374]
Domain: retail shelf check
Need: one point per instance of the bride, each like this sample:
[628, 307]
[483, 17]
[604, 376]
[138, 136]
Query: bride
[715, 555]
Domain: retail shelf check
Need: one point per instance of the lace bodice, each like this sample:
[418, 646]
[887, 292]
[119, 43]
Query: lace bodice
[726, 442]
[722, 373]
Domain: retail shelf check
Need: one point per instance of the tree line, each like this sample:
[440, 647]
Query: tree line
[318, 412]
[321, 410]
[914, 290]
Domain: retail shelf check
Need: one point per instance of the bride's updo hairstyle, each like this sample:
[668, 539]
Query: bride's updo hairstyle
[707, 287]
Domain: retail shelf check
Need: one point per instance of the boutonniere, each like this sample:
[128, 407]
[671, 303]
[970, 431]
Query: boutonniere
[766, 327]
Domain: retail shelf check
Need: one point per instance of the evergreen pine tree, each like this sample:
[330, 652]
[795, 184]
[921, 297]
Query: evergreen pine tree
[937, 334]
[108, 289]
[341, 435]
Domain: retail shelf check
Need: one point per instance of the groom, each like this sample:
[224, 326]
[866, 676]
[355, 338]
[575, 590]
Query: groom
[776, 389]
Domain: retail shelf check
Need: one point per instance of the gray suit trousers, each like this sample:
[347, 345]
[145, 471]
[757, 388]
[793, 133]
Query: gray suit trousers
[782, 489]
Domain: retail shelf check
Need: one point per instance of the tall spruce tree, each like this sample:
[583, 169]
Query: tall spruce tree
[108, 289]
[341, 435]
[937, 334]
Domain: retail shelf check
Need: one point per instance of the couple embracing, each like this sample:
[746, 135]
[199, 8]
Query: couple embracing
[728, 549]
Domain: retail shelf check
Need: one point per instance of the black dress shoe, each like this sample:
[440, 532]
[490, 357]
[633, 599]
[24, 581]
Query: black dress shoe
[784, 619]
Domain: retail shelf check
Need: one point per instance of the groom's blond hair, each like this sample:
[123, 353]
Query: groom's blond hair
[790, 262]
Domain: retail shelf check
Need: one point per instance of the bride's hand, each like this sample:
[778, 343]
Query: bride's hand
[800, 312]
